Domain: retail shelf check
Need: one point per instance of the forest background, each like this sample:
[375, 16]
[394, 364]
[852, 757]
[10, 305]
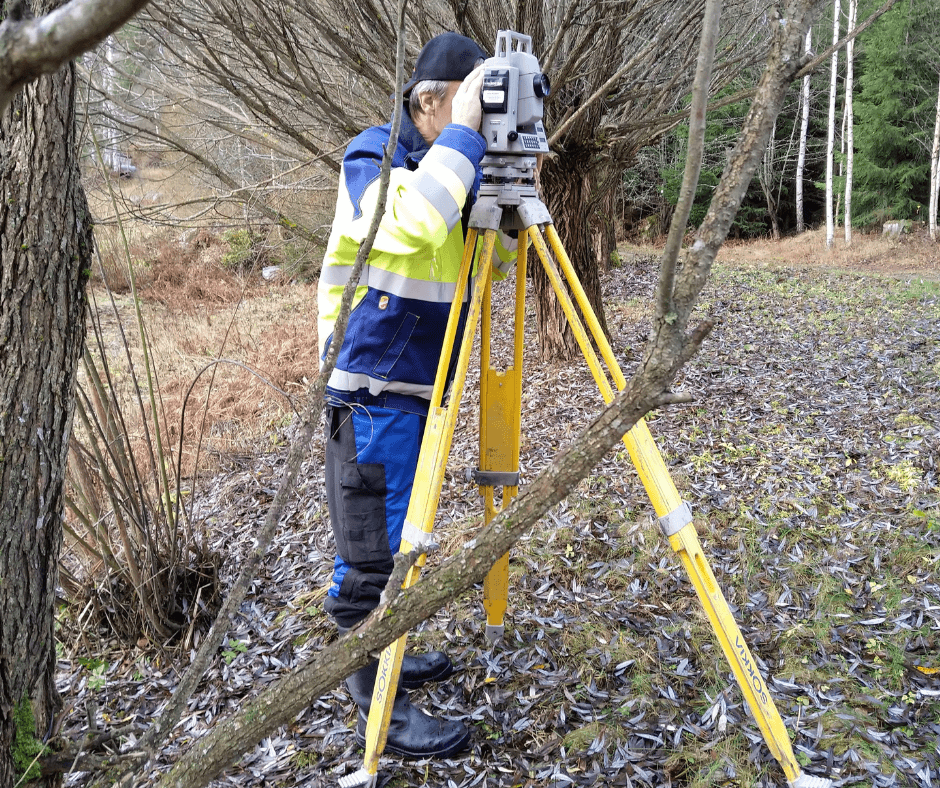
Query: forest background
[158, 107]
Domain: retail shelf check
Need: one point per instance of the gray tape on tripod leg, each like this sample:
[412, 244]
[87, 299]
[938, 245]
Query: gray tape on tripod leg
[419, 539]
[677, 519]
[493, 478]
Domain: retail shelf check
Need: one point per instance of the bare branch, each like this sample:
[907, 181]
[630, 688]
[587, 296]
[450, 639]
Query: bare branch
[30, 47]
[693, 161]
[808, 67]
[823, 56]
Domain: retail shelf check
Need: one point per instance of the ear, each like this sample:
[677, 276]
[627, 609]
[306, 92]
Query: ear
[428, 102]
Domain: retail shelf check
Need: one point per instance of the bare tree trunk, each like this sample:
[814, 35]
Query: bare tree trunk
[603, 230]
[772, 213]
[935, 173]
[849, 120]
[804, 130]
[568, 185]
[830, 142]
[766, 180]
[45, 246]
[45, 249]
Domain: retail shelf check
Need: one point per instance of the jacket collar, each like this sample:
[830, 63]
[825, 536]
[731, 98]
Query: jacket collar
[409, 137]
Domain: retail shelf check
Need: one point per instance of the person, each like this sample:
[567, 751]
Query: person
[378, 395]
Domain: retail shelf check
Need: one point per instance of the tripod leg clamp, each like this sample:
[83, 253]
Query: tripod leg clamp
[676, 520]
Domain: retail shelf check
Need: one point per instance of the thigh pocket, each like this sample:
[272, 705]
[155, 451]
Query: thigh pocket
[364, 531]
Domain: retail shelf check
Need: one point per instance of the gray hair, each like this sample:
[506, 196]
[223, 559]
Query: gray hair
[436, 87]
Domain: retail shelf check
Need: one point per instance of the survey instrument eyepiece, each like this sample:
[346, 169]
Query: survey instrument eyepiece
[513, 91]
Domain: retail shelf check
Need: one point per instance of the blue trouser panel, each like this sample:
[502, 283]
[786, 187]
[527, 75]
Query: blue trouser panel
[371, 458]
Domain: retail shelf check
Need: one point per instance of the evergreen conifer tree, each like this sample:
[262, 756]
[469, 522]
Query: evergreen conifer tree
[895, 105]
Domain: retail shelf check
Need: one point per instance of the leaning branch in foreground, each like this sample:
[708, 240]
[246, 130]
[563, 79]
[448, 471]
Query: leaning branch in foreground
[670, 347]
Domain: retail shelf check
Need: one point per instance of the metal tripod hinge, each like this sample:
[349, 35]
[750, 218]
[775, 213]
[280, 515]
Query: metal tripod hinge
[508, 199]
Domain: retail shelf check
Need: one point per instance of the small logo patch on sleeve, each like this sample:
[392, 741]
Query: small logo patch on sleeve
[383, 302]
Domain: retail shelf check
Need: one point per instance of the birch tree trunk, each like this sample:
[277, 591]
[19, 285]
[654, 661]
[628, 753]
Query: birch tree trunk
[110, 153]
[830, 140]
[849, 120]
[804, 130]
[838, 194]
[935, 173]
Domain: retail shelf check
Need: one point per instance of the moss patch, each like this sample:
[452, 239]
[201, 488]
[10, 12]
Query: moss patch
[26, 747]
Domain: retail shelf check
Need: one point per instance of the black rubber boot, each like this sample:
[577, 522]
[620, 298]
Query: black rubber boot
[418, 669]
[411, 732]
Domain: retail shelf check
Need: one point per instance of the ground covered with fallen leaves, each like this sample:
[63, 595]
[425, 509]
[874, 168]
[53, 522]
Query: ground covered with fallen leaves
[809, 455]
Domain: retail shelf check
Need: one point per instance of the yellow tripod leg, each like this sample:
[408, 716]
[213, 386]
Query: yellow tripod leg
[500, 417]
[675, 518]
[425, 495]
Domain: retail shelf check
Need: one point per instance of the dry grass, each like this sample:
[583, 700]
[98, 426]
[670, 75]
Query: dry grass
[872, 253]
[913, 254]
[196, 312]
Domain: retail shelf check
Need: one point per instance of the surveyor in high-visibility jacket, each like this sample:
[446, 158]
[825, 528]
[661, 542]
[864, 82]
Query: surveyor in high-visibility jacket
[377, 397]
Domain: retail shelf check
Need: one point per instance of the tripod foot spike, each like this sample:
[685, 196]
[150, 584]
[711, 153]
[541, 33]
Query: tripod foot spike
[359, 779]
[494, 633]
[810, 781]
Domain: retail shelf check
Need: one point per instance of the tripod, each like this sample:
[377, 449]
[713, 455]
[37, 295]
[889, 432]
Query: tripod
[508, 200]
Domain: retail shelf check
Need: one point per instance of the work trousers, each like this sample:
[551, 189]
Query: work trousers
[371, 458]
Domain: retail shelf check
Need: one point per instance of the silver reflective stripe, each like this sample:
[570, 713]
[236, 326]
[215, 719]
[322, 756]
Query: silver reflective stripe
[403, 286]
[503, 266]
[676, 520]
[439, 197]
[419, 539]
[388, 282]
[353, 381]
[453, 160]
[335, 275]
[509, 244]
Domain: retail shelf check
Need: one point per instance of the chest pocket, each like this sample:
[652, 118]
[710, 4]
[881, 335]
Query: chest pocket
[397, 346]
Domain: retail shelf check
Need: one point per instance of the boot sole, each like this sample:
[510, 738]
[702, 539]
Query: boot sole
[446, 672]
[459, 746]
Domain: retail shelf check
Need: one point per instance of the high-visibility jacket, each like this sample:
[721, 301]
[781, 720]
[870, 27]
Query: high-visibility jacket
[394, 339]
